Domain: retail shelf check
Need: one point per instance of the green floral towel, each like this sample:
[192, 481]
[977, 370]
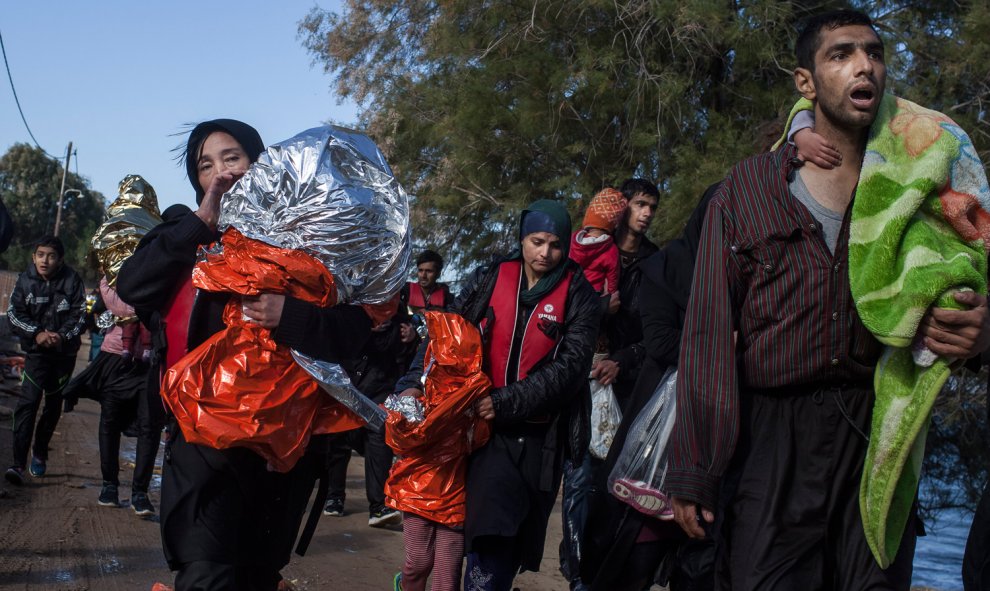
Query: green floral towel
[919, 232]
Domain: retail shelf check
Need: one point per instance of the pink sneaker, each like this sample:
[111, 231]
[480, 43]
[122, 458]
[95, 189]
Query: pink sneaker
[641, 497]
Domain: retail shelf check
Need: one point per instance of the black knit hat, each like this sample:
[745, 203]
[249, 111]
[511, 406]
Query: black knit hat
[247, 136]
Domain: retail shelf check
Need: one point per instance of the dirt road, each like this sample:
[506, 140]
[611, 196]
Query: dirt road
[53, 535]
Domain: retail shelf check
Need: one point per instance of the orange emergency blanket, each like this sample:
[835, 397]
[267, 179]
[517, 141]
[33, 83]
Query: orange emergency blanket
[429, 477]
[240, 388]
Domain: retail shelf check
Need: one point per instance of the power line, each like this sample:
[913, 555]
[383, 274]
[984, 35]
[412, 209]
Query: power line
[16, 100]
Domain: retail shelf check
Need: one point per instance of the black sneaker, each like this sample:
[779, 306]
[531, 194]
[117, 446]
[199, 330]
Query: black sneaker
[334, 508]
[142, 504]
[384, 517]
[14, 475]
[108, 496]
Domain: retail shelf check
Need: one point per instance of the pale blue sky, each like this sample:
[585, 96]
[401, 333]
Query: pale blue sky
[119, 79]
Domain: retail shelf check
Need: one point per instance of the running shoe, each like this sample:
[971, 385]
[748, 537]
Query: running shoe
[108, 496]
[142, 504]
[334, 508]
[397, 582]
[384, 517]
[15, 475]
[643, 498]
[38, 467]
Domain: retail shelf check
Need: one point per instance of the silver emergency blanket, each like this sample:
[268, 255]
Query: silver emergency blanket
[334, 381]
[329, 192]
[410, 407]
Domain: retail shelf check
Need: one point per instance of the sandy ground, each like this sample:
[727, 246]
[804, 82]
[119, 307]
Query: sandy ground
[53, 535]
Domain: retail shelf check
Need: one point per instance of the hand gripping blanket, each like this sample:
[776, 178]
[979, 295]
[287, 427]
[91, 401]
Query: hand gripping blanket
[919, 233]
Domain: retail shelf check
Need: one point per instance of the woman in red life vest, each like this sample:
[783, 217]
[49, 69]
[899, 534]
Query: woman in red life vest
[539, 318]
[228, 522]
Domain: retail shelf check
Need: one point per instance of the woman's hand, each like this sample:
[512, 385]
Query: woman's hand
[209, 207]
[485, 408]
[264, 309]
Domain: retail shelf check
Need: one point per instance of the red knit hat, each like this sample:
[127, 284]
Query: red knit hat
[605, 210]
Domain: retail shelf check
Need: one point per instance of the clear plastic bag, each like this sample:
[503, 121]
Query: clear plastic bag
[639, 473]
[605, 417]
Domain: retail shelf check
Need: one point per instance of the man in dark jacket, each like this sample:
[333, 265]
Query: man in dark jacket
[374, 372]
[624, 328]
[46, 312]
[624, 332]
[540, 397]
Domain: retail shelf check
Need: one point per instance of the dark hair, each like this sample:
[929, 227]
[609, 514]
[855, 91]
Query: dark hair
[633, 186]
[247, 136]
[429, 256]
[810, 38]
[51, 242]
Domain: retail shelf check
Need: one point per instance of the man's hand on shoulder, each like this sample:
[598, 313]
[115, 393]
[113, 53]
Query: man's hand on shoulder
[960, 334]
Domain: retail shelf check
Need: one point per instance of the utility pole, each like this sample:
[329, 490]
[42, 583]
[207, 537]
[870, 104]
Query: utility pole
[61, 192]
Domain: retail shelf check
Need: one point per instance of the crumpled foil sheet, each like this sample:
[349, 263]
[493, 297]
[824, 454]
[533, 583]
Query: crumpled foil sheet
[334, 380]
[131, 215]
[329, 192]
[106, 320]
[409, 407]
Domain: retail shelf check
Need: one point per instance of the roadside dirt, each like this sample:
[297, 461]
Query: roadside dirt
[53, 535]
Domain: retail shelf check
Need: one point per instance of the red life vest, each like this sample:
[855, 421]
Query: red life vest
[416, 301]
[176, 317]
[547, 317]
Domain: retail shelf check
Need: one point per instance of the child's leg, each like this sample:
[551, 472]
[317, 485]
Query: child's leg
[419, 536]
[447, 559]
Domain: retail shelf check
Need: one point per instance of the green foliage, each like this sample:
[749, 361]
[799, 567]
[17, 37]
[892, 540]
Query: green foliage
[29, 186]
[482, 107]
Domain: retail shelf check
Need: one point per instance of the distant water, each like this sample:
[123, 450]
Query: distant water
[938, 556]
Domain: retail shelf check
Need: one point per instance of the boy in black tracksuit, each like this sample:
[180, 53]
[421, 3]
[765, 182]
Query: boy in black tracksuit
[46, 312]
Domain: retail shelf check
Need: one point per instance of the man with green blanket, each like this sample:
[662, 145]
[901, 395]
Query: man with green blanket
[803, 388]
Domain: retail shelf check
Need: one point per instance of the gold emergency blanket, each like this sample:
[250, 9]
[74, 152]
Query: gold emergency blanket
[131, 215]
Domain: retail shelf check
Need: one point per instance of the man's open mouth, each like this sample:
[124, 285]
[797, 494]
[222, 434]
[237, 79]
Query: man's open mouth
[863, 97]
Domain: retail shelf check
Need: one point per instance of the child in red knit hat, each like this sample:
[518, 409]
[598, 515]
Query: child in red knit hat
[593, 248]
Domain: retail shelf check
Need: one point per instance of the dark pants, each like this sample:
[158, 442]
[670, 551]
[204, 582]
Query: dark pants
[492, 565]
[574, 516]
[377, 464]
[227, 521]
[214, 576]
[793, 521]
[43, 377]
[976, 560]
[115, 417]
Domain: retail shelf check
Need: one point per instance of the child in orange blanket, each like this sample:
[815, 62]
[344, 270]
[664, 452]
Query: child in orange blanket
[433, 434]
[593, 248]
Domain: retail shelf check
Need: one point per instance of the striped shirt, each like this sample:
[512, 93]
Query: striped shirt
[770, 308]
